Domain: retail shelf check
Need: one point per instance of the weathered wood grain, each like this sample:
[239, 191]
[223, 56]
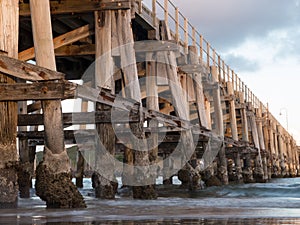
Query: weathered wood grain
[78, 6]
[26, 71]
[60, 41]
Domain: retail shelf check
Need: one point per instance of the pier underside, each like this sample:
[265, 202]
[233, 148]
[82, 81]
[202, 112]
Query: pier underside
[152, 98]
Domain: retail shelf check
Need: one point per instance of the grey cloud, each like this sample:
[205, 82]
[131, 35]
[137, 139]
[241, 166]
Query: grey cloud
[242, 64]
[228, 23]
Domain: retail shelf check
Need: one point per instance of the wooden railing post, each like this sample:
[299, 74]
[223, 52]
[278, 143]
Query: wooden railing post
[154, 13]
[186, 35]
[207, 54]
[166, 10]
[177, 36]
[194, 36]
[201, 48]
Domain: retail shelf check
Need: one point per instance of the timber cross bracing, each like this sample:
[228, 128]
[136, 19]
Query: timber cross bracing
[195, 97]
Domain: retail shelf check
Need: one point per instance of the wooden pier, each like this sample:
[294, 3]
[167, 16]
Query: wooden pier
[154, 92]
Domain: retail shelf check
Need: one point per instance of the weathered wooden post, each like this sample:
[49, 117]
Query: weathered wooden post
[152, 104]
[222, 167]
[80, 158]
[179, 102]
[107, 185]
[277, 172]
[196, 96]
[234, 131]
[142, 173]
[53, 183]
[247, 168]
[258, 170]
[281, 150]
[289, 155]
[267, 139]
[272, 147]
[9, 23]
[261, 142]
[25, 172]
[197, 80]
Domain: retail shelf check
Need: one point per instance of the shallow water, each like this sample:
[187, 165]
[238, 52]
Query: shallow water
[276, 202]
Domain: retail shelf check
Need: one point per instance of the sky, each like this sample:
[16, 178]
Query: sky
[260, 41]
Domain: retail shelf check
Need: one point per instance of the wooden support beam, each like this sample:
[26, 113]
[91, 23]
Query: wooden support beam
[104, 67]
[62, 40]
[219, 124]
[56, 161]
[193, 68]
[127, 104]
[75, 50]
[80, 118]
[143, 176]
[78, 6]
[41, 22]
[155, 46]
[9, 23]
[26, 71]
[198, 87]
[234, 131]
[152, 104]
[34, 91]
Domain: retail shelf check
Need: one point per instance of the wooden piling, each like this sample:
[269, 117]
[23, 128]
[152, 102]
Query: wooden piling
[234, 131]
[198, 87]
[129, 69]
[222, 167]
[9, 21]
[55, 161]
[281, 150]
[259, 119]
[152, 103]
[104, 160]
[258, 170]
[187, 147]
[247, 168]
[25, 172]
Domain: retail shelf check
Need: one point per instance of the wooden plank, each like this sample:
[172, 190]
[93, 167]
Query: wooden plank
[26, 71]
[80, 118]
[155, 46]
[127, 104]
[35, 91]
[62, 40]
[77, 6]
[193, 68]
[75, 50]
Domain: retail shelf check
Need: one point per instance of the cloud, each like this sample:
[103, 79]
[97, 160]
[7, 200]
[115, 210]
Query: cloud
[228, 23]
[241, 63]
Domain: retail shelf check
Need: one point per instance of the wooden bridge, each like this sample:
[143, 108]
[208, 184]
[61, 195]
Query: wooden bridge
[158, 76]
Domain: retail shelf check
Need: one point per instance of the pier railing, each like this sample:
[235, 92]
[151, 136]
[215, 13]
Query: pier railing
[185, 34]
